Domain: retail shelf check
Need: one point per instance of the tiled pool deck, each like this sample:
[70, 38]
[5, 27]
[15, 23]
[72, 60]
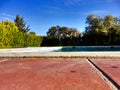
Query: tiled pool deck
[59, 70]
[50, 74]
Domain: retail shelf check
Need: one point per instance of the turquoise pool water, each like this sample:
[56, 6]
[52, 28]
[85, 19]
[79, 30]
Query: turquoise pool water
[89, 48]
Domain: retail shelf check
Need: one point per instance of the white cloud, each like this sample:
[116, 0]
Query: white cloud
[5, 16]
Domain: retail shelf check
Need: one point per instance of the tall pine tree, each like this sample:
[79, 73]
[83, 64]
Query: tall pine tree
[21, 24]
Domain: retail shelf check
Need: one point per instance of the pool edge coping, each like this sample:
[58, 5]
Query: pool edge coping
[60, 55]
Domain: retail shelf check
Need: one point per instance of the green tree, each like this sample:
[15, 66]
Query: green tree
[62, 32]
[64, 36]
[109, 21]
[53, 31]
[32, 33]
[101, 31]
[21, 24]
[95, 24]
[112, 25]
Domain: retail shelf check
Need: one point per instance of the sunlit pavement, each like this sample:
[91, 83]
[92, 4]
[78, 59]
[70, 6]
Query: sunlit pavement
[56, 74]
[111, 67]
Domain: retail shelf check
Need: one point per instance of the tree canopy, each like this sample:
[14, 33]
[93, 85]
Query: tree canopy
[102, 31]
[62, 32]
[61, 36]
[99, 31]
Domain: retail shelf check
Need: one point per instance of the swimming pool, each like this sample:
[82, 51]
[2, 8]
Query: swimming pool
[89, 48]
[66, 49]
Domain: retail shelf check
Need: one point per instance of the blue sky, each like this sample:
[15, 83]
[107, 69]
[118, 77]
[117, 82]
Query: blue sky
[42, 14]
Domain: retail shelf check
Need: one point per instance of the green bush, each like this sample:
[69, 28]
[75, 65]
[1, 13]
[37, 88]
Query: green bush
[33, 40]
[12, 37]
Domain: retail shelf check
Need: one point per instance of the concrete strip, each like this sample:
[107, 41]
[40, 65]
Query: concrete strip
[3, 60]
[59, 54]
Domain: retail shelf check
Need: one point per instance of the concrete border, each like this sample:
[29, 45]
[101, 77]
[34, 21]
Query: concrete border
[3, 60]
[60, 54]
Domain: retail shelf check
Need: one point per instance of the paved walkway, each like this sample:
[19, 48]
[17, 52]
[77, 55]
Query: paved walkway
[57, 74]
[111, 68]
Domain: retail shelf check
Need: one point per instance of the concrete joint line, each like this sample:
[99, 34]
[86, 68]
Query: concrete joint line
[113, 85]
[3, 60]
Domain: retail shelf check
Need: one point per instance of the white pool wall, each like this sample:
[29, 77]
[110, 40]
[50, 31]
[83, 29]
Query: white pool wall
[46, 49]
[32, 49]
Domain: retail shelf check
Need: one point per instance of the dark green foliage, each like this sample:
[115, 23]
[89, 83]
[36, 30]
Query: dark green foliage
[74, 41]
[53, 41]
[95, 39]
[34, 40]
[50, 41]
[102, 31]
[21, 24]
[99, 31]
[62, 36]
[62, 32]
[32, 33]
